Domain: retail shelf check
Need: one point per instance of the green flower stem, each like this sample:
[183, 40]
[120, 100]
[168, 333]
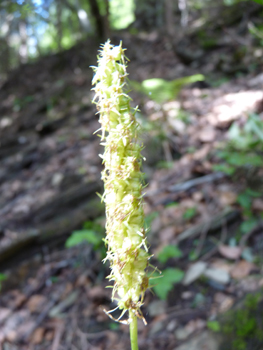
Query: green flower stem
[133, 331]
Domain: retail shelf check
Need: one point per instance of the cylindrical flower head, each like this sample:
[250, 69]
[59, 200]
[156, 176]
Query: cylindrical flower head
[127, 247]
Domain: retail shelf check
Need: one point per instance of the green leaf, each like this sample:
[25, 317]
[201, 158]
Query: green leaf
[259, 1]
[241, 159]
[170, 276]
[114, 326]
[226, 169]
[190, 213]
[213, 325]
[149, 219]
[161, 90]
[248, 255]
[248, 225]
[3, 277]
[253, 193]
[163, 164]
[172, 204]
[170, 251]
[192, 256]
[244, 199]
[83, 236]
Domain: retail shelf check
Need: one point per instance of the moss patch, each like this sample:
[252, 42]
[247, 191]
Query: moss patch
[243, 328]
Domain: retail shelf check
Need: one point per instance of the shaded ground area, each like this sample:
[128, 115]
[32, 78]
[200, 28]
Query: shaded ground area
[50, 173]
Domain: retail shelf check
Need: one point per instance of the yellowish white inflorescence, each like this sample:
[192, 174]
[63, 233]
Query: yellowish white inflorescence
[127, 247]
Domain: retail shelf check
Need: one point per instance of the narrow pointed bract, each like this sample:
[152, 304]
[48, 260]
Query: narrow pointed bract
[126, 241]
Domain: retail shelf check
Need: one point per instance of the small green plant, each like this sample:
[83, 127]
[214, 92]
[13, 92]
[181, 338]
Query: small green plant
[149, 219]
[244, 147]
[161, 90]
[125, 231]
[3, 277]
[242, 155]
[81, 236]
[190, 213]
[92, 233]
[20, 103]
[213, 325]
[170, 277]
[169, 251]
[243, 328]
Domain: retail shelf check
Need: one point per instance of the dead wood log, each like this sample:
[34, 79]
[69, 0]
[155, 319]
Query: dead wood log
[184, 186]
[53, 229]
[227, 216]
[72, 197]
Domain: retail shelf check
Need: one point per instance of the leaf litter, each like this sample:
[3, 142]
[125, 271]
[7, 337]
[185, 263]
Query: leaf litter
[57, 298]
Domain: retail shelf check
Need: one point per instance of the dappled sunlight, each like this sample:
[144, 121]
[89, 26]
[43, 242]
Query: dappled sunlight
[234, 105]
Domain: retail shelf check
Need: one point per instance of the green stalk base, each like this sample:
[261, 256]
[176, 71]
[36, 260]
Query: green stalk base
[133, 331]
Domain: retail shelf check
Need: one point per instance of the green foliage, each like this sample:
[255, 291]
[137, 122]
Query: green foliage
[243, 328]
[248, 137]
[170, 251]
[240, 159]
[225, 168]
[213, 325]
[169, 277]
[149, 219]
[163, 164]
[3, 277]
[161, 90]
[78, 237]
[190, 213]
[244, 151]
[91, 233]
[248, 225]
[232, 2]
[259, 1]
[244, 199]
[114, 326]
[257, 31]
[192, 256]
[172, 204]
[121, 16]
[20, 103]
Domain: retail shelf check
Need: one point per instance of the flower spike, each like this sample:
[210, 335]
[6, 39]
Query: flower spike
[125, 233]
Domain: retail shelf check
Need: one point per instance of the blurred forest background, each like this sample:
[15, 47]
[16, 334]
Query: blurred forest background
[195, 72]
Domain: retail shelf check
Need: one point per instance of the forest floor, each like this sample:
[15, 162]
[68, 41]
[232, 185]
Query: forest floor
[53, 297]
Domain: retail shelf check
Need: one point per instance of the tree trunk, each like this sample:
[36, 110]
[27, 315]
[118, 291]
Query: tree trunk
[169, 17]
[100, 24]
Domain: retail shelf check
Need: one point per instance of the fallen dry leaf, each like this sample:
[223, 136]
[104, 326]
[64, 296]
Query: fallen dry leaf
[242, 269]
[36, 302]
[194, 272]
[257, 204]
[230, 252]
[222, 264]
[227, 198]
[217, 275]
[224, 301]
[4, 313]
[98, 292]
[38, 335]
[207, 134]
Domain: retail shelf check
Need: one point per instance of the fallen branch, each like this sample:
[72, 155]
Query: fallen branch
[225, 217]
[53, 229]
[185, 186]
